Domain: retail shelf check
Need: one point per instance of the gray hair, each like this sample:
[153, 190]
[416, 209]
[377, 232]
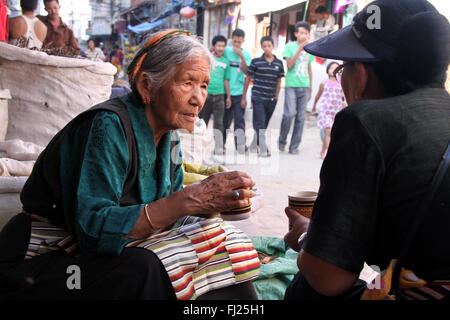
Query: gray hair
[164, 57]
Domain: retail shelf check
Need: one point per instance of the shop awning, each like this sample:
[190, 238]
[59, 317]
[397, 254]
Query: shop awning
[175, 7]
[146, 26]
[132, 8]
[339, 5]
[159, 20]
[263, 6]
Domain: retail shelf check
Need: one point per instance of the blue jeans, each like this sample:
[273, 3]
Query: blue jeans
[262, 112]
[295, 103]
[236, 113]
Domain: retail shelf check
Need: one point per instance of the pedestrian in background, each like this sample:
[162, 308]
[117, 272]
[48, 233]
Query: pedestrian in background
[105, 52]
[94, 53]
[120, 54]
[298, 88]
[325, 22]
[27, 26]
[331, 103]
[239, 61]
[266, 72]
[218, 87]
[59, 35]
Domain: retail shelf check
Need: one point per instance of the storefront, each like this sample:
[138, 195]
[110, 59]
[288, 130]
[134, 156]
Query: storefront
[268, 17]
[282, 23]
[275, 18]
[220, 17]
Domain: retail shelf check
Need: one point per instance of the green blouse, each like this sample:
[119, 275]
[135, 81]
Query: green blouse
[91, 204]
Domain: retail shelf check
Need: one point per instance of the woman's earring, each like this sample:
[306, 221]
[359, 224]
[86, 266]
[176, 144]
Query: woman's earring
[147, 100]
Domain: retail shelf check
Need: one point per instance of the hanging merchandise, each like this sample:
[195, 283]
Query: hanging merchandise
[187, 12]
[232, 15]
[3, 21]
[340, 5]
[179, 6]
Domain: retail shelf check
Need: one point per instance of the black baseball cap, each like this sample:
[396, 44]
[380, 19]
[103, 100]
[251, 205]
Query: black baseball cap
[375, 32]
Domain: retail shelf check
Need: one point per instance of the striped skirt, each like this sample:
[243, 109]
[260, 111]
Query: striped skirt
[198, 254]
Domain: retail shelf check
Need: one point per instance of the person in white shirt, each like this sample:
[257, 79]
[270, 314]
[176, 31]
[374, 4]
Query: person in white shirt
[93, 53]
[325, 22]
[27, 26]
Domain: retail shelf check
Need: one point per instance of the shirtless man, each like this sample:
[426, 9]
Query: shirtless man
[28, 26]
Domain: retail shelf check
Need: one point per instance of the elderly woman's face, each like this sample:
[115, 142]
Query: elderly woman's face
[178, 103]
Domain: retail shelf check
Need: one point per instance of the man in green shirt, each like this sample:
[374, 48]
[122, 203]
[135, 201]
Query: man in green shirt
[239, 62]
[219, 85]
[297, 88]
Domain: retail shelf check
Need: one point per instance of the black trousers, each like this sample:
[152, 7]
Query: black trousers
[262, 113]
[235, 113]
[136, 273]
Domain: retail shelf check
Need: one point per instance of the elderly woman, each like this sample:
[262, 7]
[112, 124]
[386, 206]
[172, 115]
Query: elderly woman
[118, 222]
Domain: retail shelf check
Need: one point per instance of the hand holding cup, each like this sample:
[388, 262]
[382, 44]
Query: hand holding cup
[299, 224]
[219, 192]
[302, 202]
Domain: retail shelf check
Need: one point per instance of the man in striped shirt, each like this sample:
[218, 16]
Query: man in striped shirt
[266, 72]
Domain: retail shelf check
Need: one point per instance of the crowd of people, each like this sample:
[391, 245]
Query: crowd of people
[50, 34]
[42, 32]
[233, 73]
[106, 196]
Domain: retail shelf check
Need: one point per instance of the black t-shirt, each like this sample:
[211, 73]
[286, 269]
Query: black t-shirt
[265, 77]
[380, 163]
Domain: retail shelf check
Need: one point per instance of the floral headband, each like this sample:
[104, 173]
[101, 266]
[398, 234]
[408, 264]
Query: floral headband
[136, 64]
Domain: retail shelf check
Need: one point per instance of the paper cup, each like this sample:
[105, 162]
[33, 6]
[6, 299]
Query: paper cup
[238, 213]
[302, 202]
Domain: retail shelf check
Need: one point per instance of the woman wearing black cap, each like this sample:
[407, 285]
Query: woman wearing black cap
[375, 203]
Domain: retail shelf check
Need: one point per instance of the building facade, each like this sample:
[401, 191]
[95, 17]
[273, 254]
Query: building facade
[219, 17]
[105, 14]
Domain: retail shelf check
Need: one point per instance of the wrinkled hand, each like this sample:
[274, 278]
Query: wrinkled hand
[215, 193]
[299, 224]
